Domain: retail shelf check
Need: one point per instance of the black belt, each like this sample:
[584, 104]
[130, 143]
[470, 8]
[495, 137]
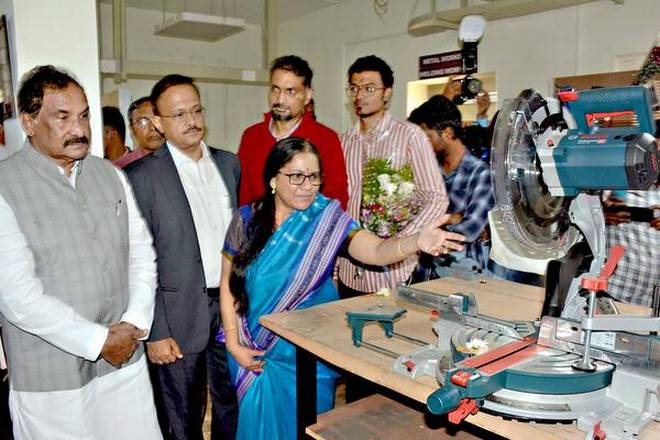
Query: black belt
[213, 292]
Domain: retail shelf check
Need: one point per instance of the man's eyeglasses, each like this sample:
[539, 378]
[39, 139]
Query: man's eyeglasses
[275, 91]
[299, 178]
[142, 123]
[181, 117]
[368, 90]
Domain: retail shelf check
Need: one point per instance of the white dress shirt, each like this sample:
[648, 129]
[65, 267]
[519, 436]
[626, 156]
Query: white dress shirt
[209, 204]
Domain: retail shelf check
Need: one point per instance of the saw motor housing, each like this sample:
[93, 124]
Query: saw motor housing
[590, 157]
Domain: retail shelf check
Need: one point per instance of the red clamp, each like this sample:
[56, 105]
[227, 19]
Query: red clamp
[460, 378]
[410, 365]
[567, 95]
[600, 282]
[465, 408]
[598, 433]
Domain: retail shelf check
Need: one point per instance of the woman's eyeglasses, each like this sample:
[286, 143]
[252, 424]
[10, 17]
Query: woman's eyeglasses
[299, 178]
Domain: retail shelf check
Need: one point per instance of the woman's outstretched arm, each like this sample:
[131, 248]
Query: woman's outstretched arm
[370, 249]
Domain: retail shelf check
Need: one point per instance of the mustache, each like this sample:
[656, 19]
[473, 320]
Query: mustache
[193, 129]
[76, 140]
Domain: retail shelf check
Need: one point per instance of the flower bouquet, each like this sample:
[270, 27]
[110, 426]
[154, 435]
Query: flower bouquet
[389, 199]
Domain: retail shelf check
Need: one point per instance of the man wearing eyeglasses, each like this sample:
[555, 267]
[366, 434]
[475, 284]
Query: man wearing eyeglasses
[289, 93]
[187, 192]
[377, 135]
[145, 136]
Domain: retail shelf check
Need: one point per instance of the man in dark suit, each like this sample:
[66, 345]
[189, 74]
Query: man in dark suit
[186, 192]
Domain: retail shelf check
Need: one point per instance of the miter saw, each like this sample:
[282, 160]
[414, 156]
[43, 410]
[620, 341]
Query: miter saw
[587, 363]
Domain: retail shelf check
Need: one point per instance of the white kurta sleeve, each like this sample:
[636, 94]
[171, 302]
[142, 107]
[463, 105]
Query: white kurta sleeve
[24, 304]
[141, 265]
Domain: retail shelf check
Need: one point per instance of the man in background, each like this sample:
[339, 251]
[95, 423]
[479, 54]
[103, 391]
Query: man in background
[476, 137]
[114, 134]
[187, 192]
[467, 178]
[378, 135]
[290, 92]
[638, 271]
[146, 138]
[633, 220]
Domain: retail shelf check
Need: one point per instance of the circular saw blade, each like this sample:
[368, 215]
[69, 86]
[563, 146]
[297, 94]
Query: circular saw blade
[532, 222]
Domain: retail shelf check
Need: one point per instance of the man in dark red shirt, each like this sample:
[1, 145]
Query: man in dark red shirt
[290, 91]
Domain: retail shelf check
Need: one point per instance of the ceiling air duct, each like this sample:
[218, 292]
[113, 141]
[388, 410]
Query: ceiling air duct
[197, 26]
[430, 23]
[440, 21]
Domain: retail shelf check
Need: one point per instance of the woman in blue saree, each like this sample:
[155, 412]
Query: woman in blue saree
[278, 256]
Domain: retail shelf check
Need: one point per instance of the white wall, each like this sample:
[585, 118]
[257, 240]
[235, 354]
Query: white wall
[66, 36]
[524, 52]
[229, 108]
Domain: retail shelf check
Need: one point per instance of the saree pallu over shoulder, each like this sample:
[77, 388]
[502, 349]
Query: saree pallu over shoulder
[297, 259]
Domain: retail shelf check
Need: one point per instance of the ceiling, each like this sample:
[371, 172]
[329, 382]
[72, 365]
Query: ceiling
[249, 10]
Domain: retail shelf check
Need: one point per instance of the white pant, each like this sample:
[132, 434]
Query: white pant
[119, 405]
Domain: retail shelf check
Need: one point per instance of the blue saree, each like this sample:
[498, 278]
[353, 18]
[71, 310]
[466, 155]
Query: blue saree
[293, 271]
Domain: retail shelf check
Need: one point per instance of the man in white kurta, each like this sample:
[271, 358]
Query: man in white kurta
[77, 369]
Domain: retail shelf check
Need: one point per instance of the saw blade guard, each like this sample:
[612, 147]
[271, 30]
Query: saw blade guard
[529, 220]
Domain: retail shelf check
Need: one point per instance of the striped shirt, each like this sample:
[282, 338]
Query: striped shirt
[402, 143]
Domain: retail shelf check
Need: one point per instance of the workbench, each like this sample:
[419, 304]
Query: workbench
[322, 332]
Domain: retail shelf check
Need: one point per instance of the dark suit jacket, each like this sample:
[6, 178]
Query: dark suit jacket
[182, 309]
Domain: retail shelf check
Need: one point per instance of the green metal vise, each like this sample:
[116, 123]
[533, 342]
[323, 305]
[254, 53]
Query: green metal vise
[383, 315]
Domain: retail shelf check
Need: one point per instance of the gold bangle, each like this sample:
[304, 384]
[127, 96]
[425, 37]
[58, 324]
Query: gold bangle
[398, 247]
[226, 329]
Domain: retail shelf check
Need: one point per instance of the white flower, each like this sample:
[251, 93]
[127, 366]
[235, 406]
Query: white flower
[383, 291]
[406, 188]
[477, 346]
[383, 179]
[390, 188]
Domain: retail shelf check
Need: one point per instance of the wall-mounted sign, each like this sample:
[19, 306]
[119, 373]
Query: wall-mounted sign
[441, 64]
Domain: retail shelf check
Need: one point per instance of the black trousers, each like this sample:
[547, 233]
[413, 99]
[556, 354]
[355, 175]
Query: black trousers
[5, 420]
[180, 390]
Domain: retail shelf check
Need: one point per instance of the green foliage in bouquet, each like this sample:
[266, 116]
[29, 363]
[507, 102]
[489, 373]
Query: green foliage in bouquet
[389, 200]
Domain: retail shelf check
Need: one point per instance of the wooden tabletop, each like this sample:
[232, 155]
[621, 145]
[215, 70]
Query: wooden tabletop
[324, 331]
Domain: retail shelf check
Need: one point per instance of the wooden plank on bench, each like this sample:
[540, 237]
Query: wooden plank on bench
[378, 417]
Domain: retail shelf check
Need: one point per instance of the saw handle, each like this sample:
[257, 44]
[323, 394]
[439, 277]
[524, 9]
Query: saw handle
[616, 253]
[600, 282]
[611, 100]
[445, 399]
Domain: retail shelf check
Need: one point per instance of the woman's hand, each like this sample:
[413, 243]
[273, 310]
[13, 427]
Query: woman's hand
[435, 241]
[247, 357]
